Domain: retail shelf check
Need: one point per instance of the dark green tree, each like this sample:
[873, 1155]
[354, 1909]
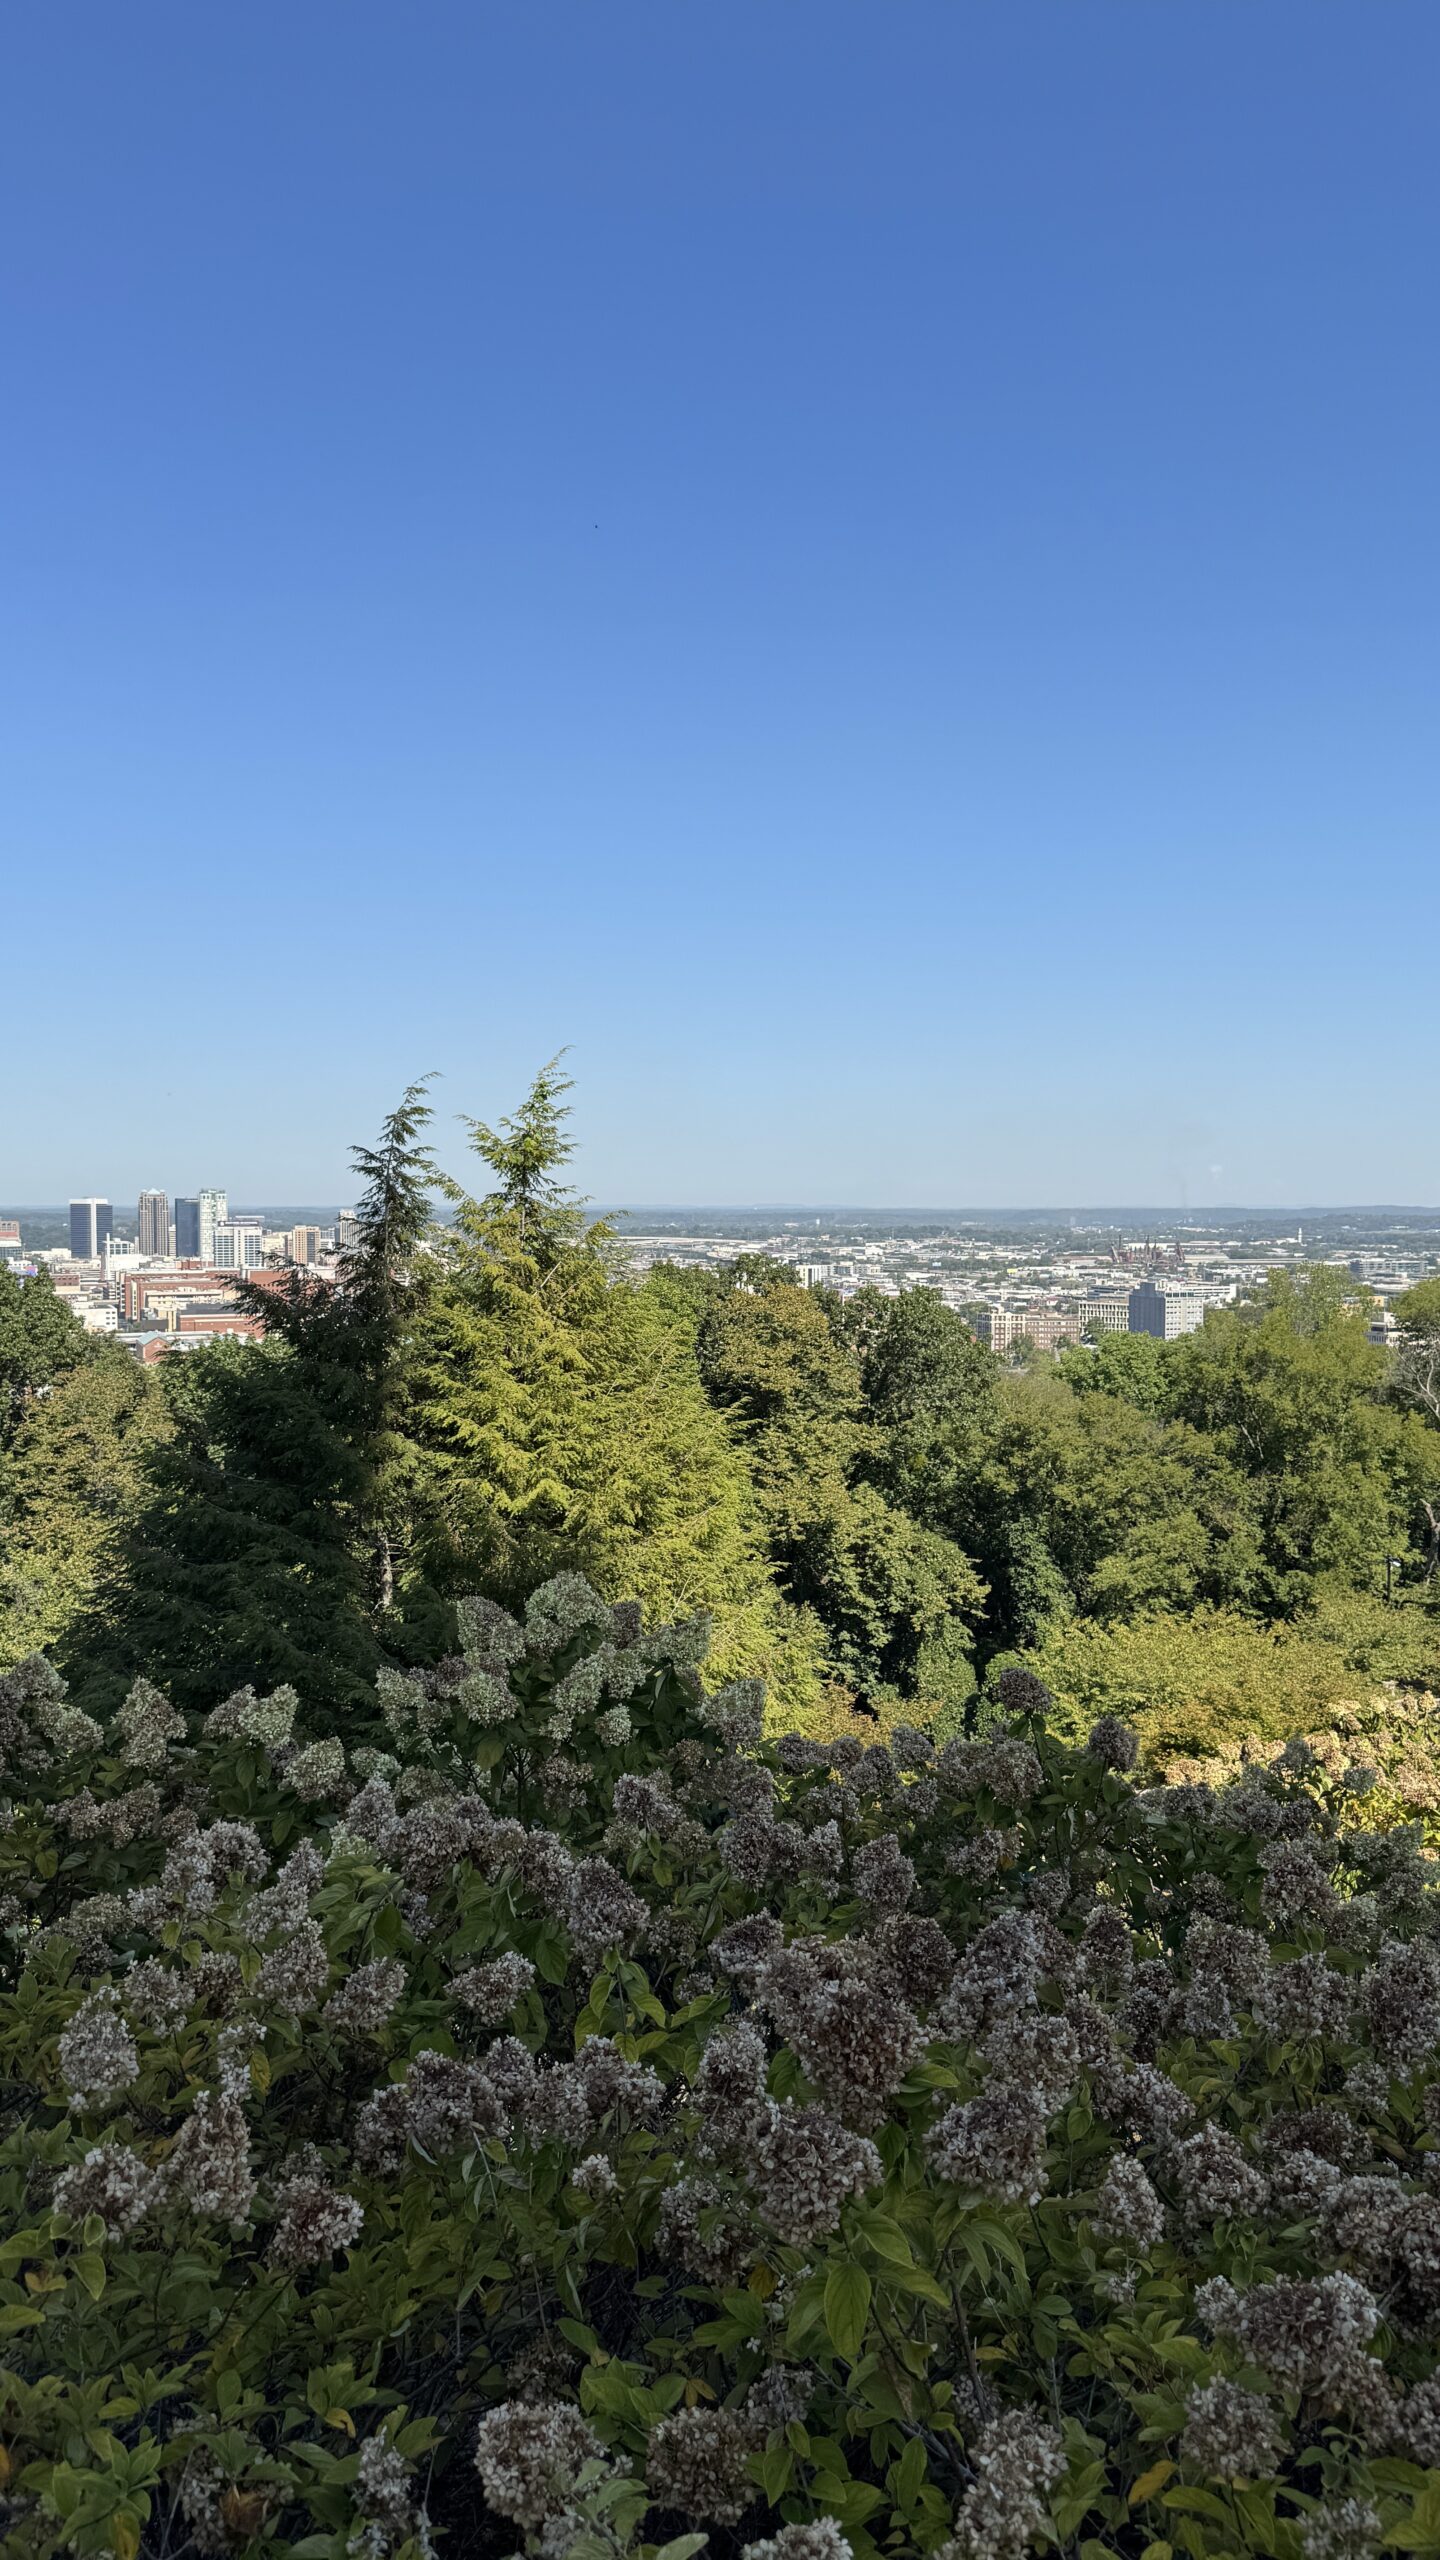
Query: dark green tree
[1290, 1388]
[1415, 1385]
[261, 1547]
[896, 1598]
[1130, 1366]
[919, 1362]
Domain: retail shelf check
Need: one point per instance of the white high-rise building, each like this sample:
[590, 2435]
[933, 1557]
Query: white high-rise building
[214, 1210]
[239, 1244]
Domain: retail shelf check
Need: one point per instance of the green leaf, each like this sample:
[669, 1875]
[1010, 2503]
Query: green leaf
[910, 2473]
[886, 2238]
[774, 2470]
[847, 2307]
[916, 2280]
[995, 2236]
[1420, 2530]
[89, 2269]
[550, 1956]
[747, 2312]
[1197, 2502]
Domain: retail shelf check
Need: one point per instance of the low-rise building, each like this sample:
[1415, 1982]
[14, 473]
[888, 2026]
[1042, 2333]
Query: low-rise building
[1106, 1311]
[150, 1293]
[1049, 1328]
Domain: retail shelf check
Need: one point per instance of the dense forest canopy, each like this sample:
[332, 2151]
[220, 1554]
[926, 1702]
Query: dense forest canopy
[873, 1511]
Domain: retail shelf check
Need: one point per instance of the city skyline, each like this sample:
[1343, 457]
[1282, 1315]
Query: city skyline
[1029, 1291]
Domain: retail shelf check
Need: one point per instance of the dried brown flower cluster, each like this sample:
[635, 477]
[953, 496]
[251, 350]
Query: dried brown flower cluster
[818, 2147]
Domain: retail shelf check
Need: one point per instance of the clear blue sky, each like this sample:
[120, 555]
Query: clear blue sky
[871, 567]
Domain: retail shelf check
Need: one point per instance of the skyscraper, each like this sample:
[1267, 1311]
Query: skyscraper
[154, 1224]
[91, 1222]
[187, 1229]
[214, 1210]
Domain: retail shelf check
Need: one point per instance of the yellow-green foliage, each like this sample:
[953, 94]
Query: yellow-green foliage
[1207, 1683]
[1194, 1684]
[1400, 1643]
[830, 1715]
[67, 1485]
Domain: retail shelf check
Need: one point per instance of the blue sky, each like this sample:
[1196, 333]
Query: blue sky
[872, 568]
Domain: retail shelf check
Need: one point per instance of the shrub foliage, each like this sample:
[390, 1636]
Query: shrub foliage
[558, 2118]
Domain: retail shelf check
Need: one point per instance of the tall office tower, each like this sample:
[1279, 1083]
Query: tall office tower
[214, 1210]
[347, 1231]
[91, 1222]
[154, 1225]
[187, 1229]
[304, 1244]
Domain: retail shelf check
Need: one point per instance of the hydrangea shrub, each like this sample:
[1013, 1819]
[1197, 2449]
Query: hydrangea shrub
[558, 2119]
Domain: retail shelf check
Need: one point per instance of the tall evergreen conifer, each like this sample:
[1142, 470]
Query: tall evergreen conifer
[557, 1418]
[263, 1548]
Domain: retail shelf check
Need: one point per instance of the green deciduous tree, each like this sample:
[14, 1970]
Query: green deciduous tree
[1127, 1365]
[40, 1341]
[897, 1600]
[1289, 1387]
[68, 1484]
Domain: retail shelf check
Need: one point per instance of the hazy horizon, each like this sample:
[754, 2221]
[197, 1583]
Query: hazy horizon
[1193, 1213]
